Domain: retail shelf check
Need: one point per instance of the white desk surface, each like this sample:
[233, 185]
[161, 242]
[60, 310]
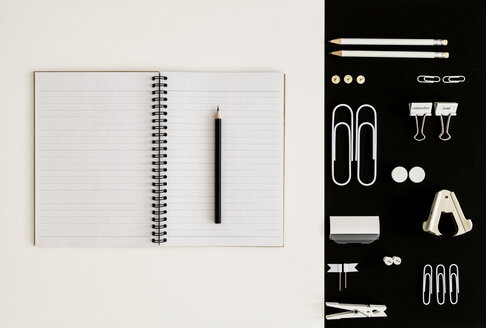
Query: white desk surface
[176, 287]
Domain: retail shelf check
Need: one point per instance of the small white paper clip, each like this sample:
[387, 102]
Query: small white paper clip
[422, 109]
[348, 267]
[349, 128]
[336, 268]
[427, 284]
[356, 311]
[374, 130]
[454, 79]
[447, 109]
[428, 79]
[453, 283]
[440, 284]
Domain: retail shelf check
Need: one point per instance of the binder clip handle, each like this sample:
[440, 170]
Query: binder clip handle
[445, 110]
[423, 110]
[444, 131]
[419, 134]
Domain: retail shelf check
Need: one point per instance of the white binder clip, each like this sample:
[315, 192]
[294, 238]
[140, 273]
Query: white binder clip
[356, 311]
[422, 109]
[445, 201]
[349, 128]
[448, 110]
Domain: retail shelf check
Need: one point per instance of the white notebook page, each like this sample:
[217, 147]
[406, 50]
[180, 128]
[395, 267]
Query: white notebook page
[252, 108]
[93, 158]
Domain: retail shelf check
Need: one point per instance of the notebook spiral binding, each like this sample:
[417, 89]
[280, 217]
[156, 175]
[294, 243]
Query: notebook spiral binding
[159, 160]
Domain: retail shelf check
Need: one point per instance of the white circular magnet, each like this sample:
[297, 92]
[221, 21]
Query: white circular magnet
[348, 79]
[399, 174]
[396, 260]
[335, 79]
[360, 79]
[388, 260]
[416, 174]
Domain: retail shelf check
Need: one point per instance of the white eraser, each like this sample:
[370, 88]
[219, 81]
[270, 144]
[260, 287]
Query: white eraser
[354, 229]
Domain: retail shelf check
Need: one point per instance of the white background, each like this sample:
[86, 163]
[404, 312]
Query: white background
[176, 287]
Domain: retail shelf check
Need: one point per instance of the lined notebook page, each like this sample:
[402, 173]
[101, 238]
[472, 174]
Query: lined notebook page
[252, 108]
[93, 158]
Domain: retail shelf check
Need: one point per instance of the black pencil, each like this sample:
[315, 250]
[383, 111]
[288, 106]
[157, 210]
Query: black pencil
[217, 169]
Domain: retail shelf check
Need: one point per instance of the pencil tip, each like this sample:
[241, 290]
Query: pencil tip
[336, 53]
[218, 108]
[335, 41]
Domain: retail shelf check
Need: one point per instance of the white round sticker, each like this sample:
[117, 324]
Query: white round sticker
[399, 174]
[417, 174]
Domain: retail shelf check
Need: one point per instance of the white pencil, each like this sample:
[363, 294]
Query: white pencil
[390, 42]
[390, 54]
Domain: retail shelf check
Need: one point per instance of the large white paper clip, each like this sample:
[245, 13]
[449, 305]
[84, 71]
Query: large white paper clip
[445, 201]
[356, 311]
[422, 109]
[453, 284]
[448, 110]
[374, 132]
[427, 284]
[349, 128]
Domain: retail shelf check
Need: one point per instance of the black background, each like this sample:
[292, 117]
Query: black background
[456, 165]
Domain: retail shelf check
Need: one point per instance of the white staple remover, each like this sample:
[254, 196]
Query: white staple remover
[445, 201]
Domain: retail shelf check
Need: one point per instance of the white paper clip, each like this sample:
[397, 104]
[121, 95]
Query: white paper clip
[453, 284]
[440, 284]
[422, 109]
[356, 311]
[447, 109]
[454, 79]
[428, 79]
[349, 128]
[427, 284]
[374, 130]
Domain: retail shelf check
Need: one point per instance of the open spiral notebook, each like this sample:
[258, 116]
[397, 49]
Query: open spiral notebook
[126, 159]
